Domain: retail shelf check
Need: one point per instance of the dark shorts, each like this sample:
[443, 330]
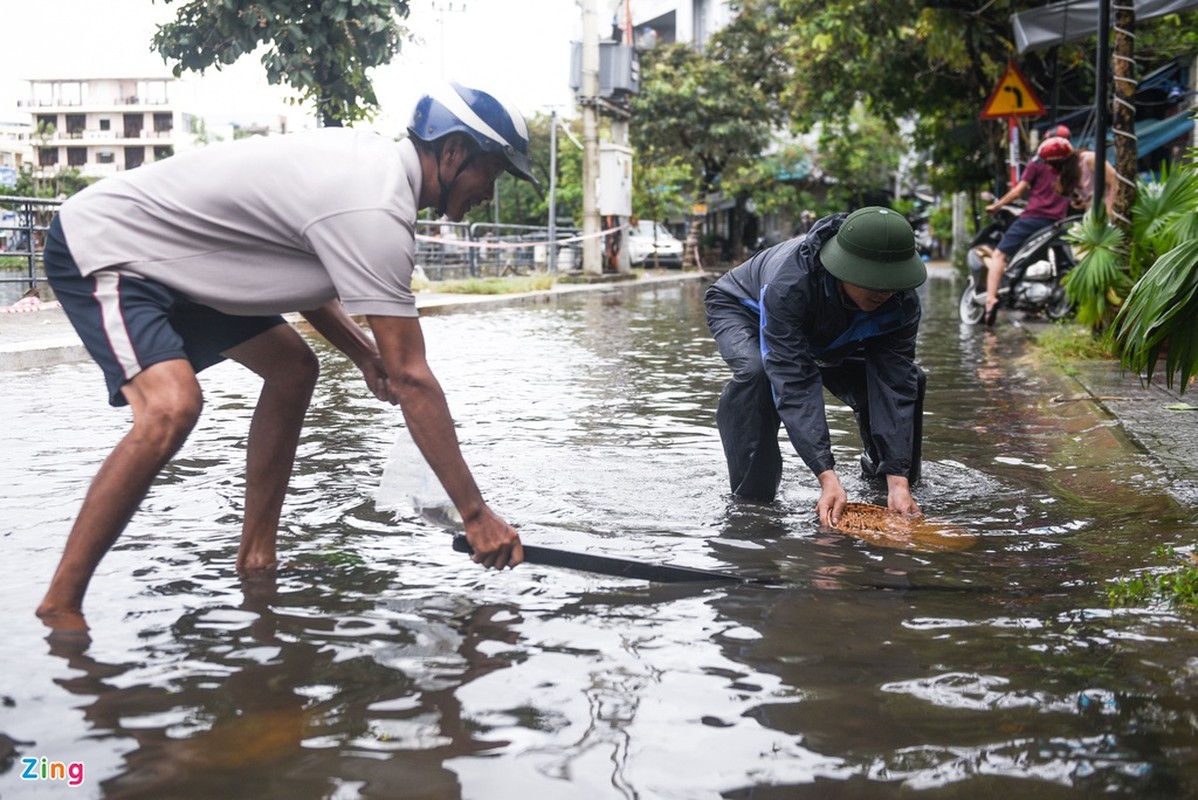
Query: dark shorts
[1019, 232]
[129, 323]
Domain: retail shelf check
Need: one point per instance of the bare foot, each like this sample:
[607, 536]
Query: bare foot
[64, 623]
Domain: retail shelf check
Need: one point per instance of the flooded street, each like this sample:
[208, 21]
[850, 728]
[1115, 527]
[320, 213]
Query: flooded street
[380, 663]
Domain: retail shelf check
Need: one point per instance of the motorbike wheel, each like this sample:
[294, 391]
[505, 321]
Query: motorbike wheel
[970, 310]
[1060, 307]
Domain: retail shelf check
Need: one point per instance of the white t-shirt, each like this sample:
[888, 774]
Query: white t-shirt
[262, 226]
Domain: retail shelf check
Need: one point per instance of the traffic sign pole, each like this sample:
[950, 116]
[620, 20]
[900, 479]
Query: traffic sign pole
[1013, 97]
[1013, 149]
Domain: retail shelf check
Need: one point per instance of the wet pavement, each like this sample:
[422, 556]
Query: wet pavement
[1163, 421]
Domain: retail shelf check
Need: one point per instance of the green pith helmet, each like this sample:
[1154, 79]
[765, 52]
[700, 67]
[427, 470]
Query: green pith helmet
[875, 249]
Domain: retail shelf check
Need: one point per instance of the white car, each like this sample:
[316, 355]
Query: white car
[651, 244]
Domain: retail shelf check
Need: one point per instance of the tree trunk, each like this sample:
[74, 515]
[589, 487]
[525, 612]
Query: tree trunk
[1123, 113]
[694, 237]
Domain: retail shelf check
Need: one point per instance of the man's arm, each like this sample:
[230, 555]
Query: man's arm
[414, 387]
[893, 385]
[331, 322]
[798, 389]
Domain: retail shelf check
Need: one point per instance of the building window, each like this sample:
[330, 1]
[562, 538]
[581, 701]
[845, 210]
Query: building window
[134, 157]
[75, 125]
[47, 123]
[164, 123]
[47, 156]
[76, 156]
[105, 124]
[133, 125]
[105, 157]
[162, 151]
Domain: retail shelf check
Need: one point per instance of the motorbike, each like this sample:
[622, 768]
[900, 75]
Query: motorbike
[1032, 280]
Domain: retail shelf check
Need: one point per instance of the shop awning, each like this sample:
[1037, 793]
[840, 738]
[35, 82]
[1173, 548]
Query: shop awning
[1067, 20]
[1151, 134]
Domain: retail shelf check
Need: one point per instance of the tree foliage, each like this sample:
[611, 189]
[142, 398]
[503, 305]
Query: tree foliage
[520, 202]
[933, 63]
[712, 108]
[862, 152]
[320, 48]
[1160, 313]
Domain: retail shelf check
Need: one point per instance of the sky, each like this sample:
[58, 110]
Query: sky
[519, 49]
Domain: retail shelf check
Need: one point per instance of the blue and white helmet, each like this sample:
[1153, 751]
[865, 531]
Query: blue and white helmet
[494, 126]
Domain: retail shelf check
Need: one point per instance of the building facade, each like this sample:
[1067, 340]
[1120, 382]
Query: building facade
[687, 21]
[15, 151]
[100, 126]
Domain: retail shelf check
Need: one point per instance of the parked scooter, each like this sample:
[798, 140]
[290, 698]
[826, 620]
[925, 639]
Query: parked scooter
[1032, 280]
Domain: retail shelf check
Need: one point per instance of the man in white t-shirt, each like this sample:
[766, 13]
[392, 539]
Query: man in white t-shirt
[175, 266]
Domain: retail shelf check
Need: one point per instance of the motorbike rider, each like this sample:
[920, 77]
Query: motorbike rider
[1045, 206]
[835, 308]
[1077, 182]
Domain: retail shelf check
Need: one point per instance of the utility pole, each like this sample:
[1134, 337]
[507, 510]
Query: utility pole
[552, 266]
[619, 135]
[592, 252]
[442, 8]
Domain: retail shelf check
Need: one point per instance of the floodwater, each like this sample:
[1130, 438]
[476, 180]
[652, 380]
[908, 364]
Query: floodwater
[380, 663]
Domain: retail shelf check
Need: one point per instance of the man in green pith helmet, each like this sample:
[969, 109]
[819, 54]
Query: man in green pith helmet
[835, 308]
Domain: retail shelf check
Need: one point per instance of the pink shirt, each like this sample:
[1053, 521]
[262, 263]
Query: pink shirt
[1044, 201]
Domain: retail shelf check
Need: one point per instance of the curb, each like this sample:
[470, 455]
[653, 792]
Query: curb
[44, 336]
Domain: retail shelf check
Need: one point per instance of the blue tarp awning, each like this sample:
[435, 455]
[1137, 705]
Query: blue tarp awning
[1151, 134]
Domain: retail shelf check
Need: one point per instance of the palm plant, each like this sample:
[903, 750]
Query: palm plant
[1162, 307]
[1143, 289]
[1101, 278]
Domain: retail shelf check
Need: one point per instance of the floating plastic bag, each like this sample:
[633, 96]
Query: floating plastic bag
[409, 485]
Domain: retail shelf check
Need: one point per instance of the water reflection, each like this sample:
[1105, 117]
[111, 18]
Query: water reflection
[381, 663]
[274, 697]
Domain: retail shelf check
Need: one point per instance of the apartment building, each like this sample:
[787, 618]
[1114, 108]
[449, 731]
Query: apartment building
[14, 151]
[688, 21]
[100, 126]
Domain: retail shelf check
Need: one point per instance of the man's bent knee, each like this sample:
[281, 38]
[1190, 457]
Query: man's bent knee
[166, 402]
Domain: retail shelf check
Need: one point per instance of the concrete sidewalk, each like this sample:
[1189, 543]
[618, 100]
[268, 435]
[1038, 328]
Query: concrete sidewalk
[45, 336]
[1161, 420]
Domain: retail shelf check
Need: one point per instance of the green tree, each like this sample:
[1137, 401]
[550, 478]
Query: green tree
[64, 182]
[321, 48]
[933, 63]
[704, 114]
[662, 189]
[520, 202]
[861, 153]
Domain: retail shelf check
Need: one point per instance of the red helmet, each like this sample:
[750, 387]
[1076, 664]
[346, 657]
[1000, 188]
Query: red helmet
[1055, 148]
[1062, 130]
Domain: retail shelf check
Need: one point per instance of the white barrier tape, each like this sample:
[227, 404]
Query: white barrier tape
[24, 307]
[421, 237]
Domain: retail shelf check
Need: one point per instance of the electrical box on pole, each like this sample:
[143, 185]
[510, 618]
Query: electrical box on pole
[615, 180]
[619, 70]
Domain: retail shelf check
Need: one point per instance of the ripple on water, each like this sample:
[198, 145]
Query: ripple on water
[377, 658]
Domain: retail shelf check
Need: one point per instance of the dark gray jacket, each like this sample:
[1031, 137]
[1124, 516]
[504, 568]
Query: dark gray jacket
[804, 325]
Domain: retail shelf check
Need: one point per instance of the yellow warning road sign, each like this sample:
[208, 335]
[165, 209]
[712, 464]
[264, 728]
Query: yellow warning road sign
[1013, 97]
